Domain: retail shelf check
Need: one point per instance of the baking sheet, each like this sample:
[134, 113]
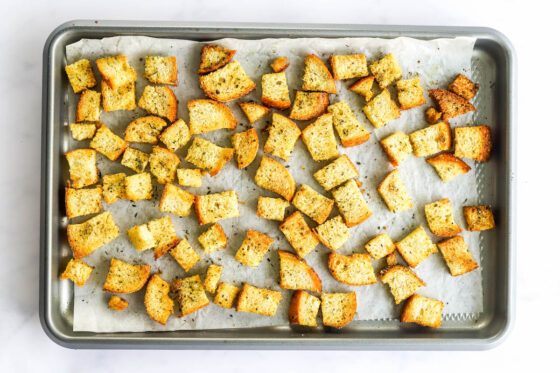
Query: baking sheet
[436, 62]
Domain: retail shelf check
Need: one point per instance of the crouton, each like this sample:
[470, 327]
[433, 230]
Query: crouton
[228, 83]
[478, 218]
[316, 76]
[402, 281]
[189, 177]
[212, 278]
[410, 93]
[185, 255]
[282, 137]
[80, 75]
[116, 71]
[77, 271]
[120, 98]
[422, 311]
[386, 71]
[416, 247]
[208, 156]
[463, 87]
[338, 309]
[319, 139]
[176, 135]
[141, 237]
[432, 115]
[256, 300]
[439, 215]
[309, 105]
[298, 234]
[107, 143]
[253, 111]
[124, 278]
[457, 256]
[89, 106]
[90, 235]
[304, 308]
[225, 295]
[450, 104]
[397, 147]
[349, 129]
[273, 176]
[164, 234]
[81, 202]
[209, 115]
[160, 101]
[176, 200]
[213, 239]
[212, 57]
[114, 187]
[135, 159]
[335, 173]
[430, 140]
[333, 233]
[355, 269]
[473, 142]
[157, 301]
[163, 164]
[82, 131]
[392, 259]
[380, 246]
[117, 303]
[254, 247]
[280, 64]
[312, 203]
[190, 294]
[245, 145]
[144, 129]
[275, 92]
[364, 87]
[382, 109]
[213, 207]
[351, 203]
[295, 273]
[271, 208]
[448, 166]
[138, 187]
[82, 167]
[349, 66]
[161, 70]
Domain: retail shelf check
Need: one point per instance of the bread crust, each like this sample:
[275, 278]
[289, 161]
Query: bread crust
[280, 64]
[319, 101]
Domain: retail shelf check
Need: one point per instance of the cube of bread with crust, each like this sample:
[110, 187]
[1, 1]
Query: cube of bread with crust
[209, 115]
[410, 93]
[309, 105]
[213, 239]
[364, 87]
[190, 294]
[473, 142]
[280, 64]
[337, 172]
[380, 246]
[463, 87]
[397, 147]
[225, 295]
[257, 300]
[90, 235]
[392, 259]
[107, 143]
[312, 203]
[189, 177]
[349, 66]
[304, 308]
[114, 187]
[176, 200]
[120, 98]
[351, 203]
[77, 271]
[176, 135]
[386, 71]
[89, 107]
[282, 137]
[382, 109]
[338, 309]
[82, 131]
[432, 115]
[448, 166]
[416, 247]
[316, 76]
[117, 303]
[457, 256]
[319, 139]
[160, 101]
[116, 71]
[298, 234]
[80, 75]
[275, 92]
[163, 164]
[272, 175]
[124, 278]
[439, 215]
[430, 140]
[271, 208]
[253, 111]
[138, 187]
[161, 70]
[164, 234]
[422, 311]
[208, 156]
[450, 104]
[254, 247]
[228, 83]
[295, 273]
[355, 269]
[81, 202]
[333, 233]
[141, 237]
[157, 301]
[144, 129]
[82, 167]
[212, 278]
[246, 146]
[213, 207]
[402, 281]
[185, 255]
[135, 159]
[350, 131]
[478, 218]
[212, 57]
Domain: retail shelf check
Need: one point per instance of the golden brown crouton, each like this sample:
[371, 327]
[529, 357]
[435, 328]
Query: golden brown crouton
[213, 239]
[282, 137]
[304, 308]
[316, 76]
[335, 173]
[225, 295]
[271, 208]
[439, 215]
[349, 129]
[213, 207]
[386, 70]
[397, 147]
[116, 71]
[312, 203]
[157, 301]
[117, 303]
[164, 234]
[275, 92]
[473, 142]
[208, 156]
[209, 115]
[141, 237]
[254, 247]
[107, 143]
[351, 203]
[212, 57]
[392, 259]
[89, 106]
[423, 311]
[124, 278]
[432, 115]
[212, 278]
[309, 105]
[189, 177]
[463, 87]
[273, 176]
[478, 218]
[160, 101]
[295, 273]
[176, 200]
[144, 129]
[81, 202]
[82, 167]
[135, 159]
[161, 70]
[430, 140]
[349, 66]
[80, 75]
[319, 139]
[176, 135]
[114, 187]
[77, 271]
[163, 164]
[416, 247]
[185, 255]
[280, 64]
[333, 233]
[338, 309]
[228, 83]
[82, 131]
[380, 246]
[190, 294]
[382, 109]
[410, 93]
[364, 87]
[402, 281]
[457, 256]
[355, 269]
[245, 145]
[298, 234]
[450, 104]
[448, 166]
[120, 98]
[256, 300]
[253, 111]
[138, 187]
[90, 235]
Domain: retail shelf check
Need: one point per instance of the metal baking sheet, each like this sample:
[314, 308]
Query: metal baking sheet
[492, 52]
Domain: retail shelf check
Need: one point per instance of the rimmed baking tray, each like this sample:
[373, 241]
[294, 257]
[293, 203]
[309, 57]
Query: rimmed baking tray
[485, 331]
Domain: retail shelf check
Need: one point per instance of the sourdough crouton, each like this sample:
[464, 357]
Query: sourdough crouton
[312, 203]
[80, 75]
[120, 98]
[213, 239]
[410, 93]
[77, 271]
[298, 234]
[253, 111]
[349, 66]
[402, 282]
[212, 278]
[450, 104]
[157, 301]
[190, 294]
[309, 105]
[89, 106]
[432, 115]
[141, 237]
[185, 255]
[355, 269]
[107, 143]
[275, 92]
[116, 71]
[209, 115]
[82, 131]
[124, 278]
[273, 176]
[448, 166]
[280, 64]
[160, 101]
[212, 57]
[213, 207]
[225, 295]
[392, 259]
[208, 156]
[138, 187]
[338, 309]
[82, 167]
[304, 308]
[114, 187]
[189, 177]
[164, 234]
[176, 135]
[478, 218]
[81, 202]
[117, 303]
[163, 164]
[386, 71]
[254, 247]
[380, 246]
[457, 256]
[351, 203]
[349, 129]
[364, 87]
[245, 145]
[473, 142]
[228, 83]
[256, 300]
[416, 247]
[271, 208]
[335, 173]
[282, 137]
[382, 109]
[319, 139]
[333, 233]
[463, 87]
[295, 273]
[161, 70]
[397, 147]
[430, 140]
[422, 311]
[439, 215]
[135, 159]
[316, 76]
[144, 129]
[176, 200]
[90, 235]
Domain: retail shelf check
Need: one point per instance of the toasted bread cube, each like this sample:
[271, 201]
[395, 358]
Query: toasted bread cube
[333, 233]
[338, 309]
[380, 246]
[144, 129]
[157, 301]
[450, 104]
[316, 76]
[164, 234]
[160, 101]
[392, 259]
[77, 271]
[228, 83]
[304, 308]
[298, 234]
[309, 105]
[351, 203]
[212, 57]
[117, 303]
[90, 235]
[282, 137]
[124, 278]
[138, 187]
[89, 106]
[271, 208]
[80, 75]
[272, 175]
[208, 156]
[141, 237]
[364, 87]
[430, 140]
[253, 111]
[295, 273]
[312, 203]
[382, 109]
[478, 218]
[386, 71]
[213, 207]
[116, 71]
[335, 173]
[319, 139]
[120, 98]
[402, 282]
[457, 256]
[176, 135]
[397, 147]
[185, 255]
[114, 187]
[190, 294]
[422, 311]
[463, 87]
[213, 239]
[225, 295]
[448, 166]
[256, 300]
[176, 200]
[349, 66]
[432, 115]
[82, 131]
[280, 64]
[161, 70]
[212, 278]
[246, 146]
[189, 177]
[355, 269]
[81, 202]
[254, 247]
[349, 129]
[416, 247]
[163, 164]
[107, 143]
[439, 215]
[209, 115]
[275, 92]
[473, 142]
[410, 93]
[82, 167]
[135, 159]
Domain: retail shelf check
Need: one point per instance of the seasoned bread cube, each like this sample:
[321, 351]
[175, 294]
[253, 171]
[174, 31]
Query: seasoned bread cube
[80, 75]
[77, 271]
[349, 66]
[410, 93]
[212, 57]
[402, 282]
[81, 202]
[228, 83]
[190, 294]
[245, 145]
[164, 234]
[364, 87]
[457, 256]
[316, 76]
[114, 187]
[189, 177]
[82, 167]
[144, 129]
[212, 278]
[380, 246]
[253, 111]
[176, 135]
[439, 215]
[272, 175]
[422, 311]
[335, 173]
[157, 301]
[138, 187]
[256, 300]
[213, 207]
[473, 142]
[333, 233]
[338, 309]
[90, 235]
[176, 200]
[448, 166]
[450, 104]
[280, 64]
[209, 115]
[163, 164]
[161, 70]
[392, 259]
[117, 303]
[463, 87]
[304, 308]
[135, 159]
[254, 247]
[271, 208]
[213, 239]
[89, 106]
[319, 139]
[309, 105]
[351, 203]
[82, 131]
[141, 237]
[120, 98]
[298, 234]
[225, 295]
[355, 269]
[124, 278]
[282, 137]
[160, 101]
[116, 71]
[107, 143]
[350, 131]
[185, 255]
[295, 273]
[478, 218]
[208, 156]
[312, 203]
[430, 140]
[432, 115]
[386, 71]
[397, 147]
[382, 109]
[275, 92]
[416, 247]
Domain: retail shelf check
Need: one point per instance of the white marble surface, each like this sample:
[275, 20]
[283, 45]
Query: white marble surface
[532, 27]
